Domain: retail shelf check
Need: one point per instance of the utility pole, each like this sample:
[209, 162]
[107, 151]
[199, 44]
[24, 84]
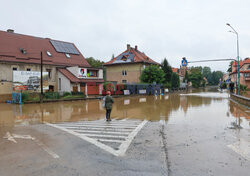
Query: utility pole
[41, 79]
[238, 56]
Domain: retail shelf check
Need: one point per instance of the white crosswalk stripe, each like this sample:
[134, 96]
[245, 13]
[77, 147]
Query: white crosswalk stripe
[113, 137]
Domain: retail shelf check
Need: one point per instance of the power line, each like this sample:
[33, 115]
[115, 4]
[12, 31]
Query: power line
[212, 60]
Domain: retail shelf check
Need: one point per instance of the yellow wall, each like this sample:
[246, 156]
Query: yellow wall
[114, 72]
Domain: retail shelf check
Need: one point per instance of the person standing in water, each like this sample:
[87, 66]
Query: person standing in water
[108, 105]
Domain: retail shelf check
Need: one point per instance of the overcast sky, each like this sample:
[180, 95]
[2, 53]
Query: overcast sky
[173, 29]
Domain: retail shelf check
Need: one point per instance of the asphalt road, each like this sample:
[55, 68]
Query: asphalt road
[157, 149]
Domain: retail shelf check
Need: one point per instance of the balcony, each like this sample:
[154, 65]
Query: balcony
[247, 78]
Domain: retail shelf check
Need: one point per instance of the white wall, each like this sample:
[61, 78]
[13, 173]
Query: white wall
[74, 70]
[100, 74]
[65, 83]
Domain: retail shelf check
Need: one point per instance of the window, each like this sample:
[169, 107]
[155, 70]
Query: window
[67, 55]
[124, 81]
[14, 68]
[124, 58]
[92, 73]
[49, 73]
[49, 54]
[59, 83]
[124, 72]
[28, 69]
[23, 51]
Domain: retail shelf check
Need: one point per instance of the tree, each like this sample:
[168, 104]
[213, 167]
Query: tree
[195, 76]
[94, 62]
[152, 74]
[167, 70]
[215, 77]
[230, 67]
[206, 71]
[175, 80]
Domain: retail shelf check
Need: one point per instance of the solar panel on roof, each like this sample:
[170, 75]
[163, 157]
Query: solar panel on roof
[63, 47]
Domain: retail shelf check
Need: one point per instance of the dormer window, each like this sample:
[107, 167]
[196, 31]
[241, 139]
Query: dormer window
[67, 55]
[49, 54]
[23, 51]
[124, 58]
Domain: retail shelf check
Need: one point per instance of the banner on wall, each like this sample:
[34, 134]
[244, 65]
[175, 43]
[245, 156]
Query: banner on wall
[82, 72]
[29, 80]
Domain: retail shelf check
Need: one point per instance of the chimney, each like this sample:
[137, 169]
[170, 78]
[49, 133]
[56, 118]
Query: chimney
[10, 30]
[128, 47]
[136, 47]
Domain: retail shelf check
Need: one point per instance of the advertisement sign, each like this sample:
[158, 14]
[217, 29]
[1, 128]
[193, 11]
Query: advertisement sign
[82, 72]
[29, 80]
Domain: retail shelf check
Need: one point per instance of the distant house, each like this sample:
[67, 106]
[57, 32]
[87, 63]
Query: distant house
[244, 72]
[20, 57]
[175, 70]
[127, 66]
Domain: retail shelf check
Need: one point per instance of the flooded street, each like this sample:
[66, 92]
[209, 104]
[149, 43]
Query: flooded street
[173, 108]
[189, 133]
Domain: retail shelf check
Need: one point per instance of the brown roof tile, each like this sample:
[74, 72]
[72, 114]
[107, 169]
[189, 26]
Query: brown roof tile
[10, 44]
[74, 79]
[138, 57]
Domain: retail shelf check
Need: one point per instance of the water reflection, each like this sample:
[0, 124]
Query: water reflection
[240, 114]
[152, 108]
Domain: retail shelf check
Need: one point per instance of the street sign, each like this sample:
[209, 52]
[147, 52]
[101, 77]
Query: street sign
[184, 62]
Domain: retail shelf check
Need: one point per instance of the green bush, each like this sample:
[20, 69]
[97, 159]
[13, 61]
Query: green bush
[243, 87]
[66, 94]
[224, 85]
[77, 93]
[25, 96]
[167, 85]
[51, 95]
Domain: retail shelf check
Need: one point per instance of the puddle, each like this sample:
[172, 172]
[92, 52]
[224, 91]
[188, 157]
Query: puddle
[197, 107]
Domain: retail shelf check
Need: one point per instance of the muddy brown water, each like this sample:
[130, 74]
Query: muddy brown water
[208, 105]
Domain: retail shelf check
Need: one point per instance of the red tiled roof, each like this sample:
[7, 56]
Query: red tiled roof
[175, 70]
[235, 63]
[69, 75]
[74, 79]
[10, 44]
[138, 57]
[246, 61]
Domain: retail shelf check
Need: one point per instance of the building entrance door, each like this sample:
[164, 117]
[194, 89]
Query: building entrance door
[75, 89]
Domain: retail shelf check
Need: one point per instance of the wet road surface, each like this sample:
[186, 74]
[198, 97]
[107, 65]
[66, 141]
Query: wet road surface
[194, 133]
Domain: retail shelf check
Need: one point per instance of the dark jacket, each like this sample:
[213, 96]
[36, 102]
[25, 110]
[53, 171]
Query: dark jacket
[108, 102]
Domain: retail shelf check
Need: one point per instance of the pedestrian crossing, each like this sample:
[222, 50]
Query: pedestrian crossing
[113, 137]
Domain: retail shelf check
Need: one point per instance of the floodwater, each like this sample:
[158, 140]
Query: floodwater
[206, 106]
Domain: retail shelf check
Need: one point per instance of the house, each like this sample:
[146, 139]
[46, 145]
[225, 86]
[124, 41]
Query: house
[20, 65]
[127, 66]
[244, 72]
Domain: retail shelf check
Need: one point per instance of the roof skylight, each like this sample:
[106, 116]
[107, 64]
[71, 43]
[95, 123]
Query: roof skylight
[49, 54]
[23, 51]
[67, 55]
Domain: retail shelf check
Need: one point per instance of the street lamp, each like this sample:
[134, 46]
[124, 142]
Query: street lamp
[238, 57]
